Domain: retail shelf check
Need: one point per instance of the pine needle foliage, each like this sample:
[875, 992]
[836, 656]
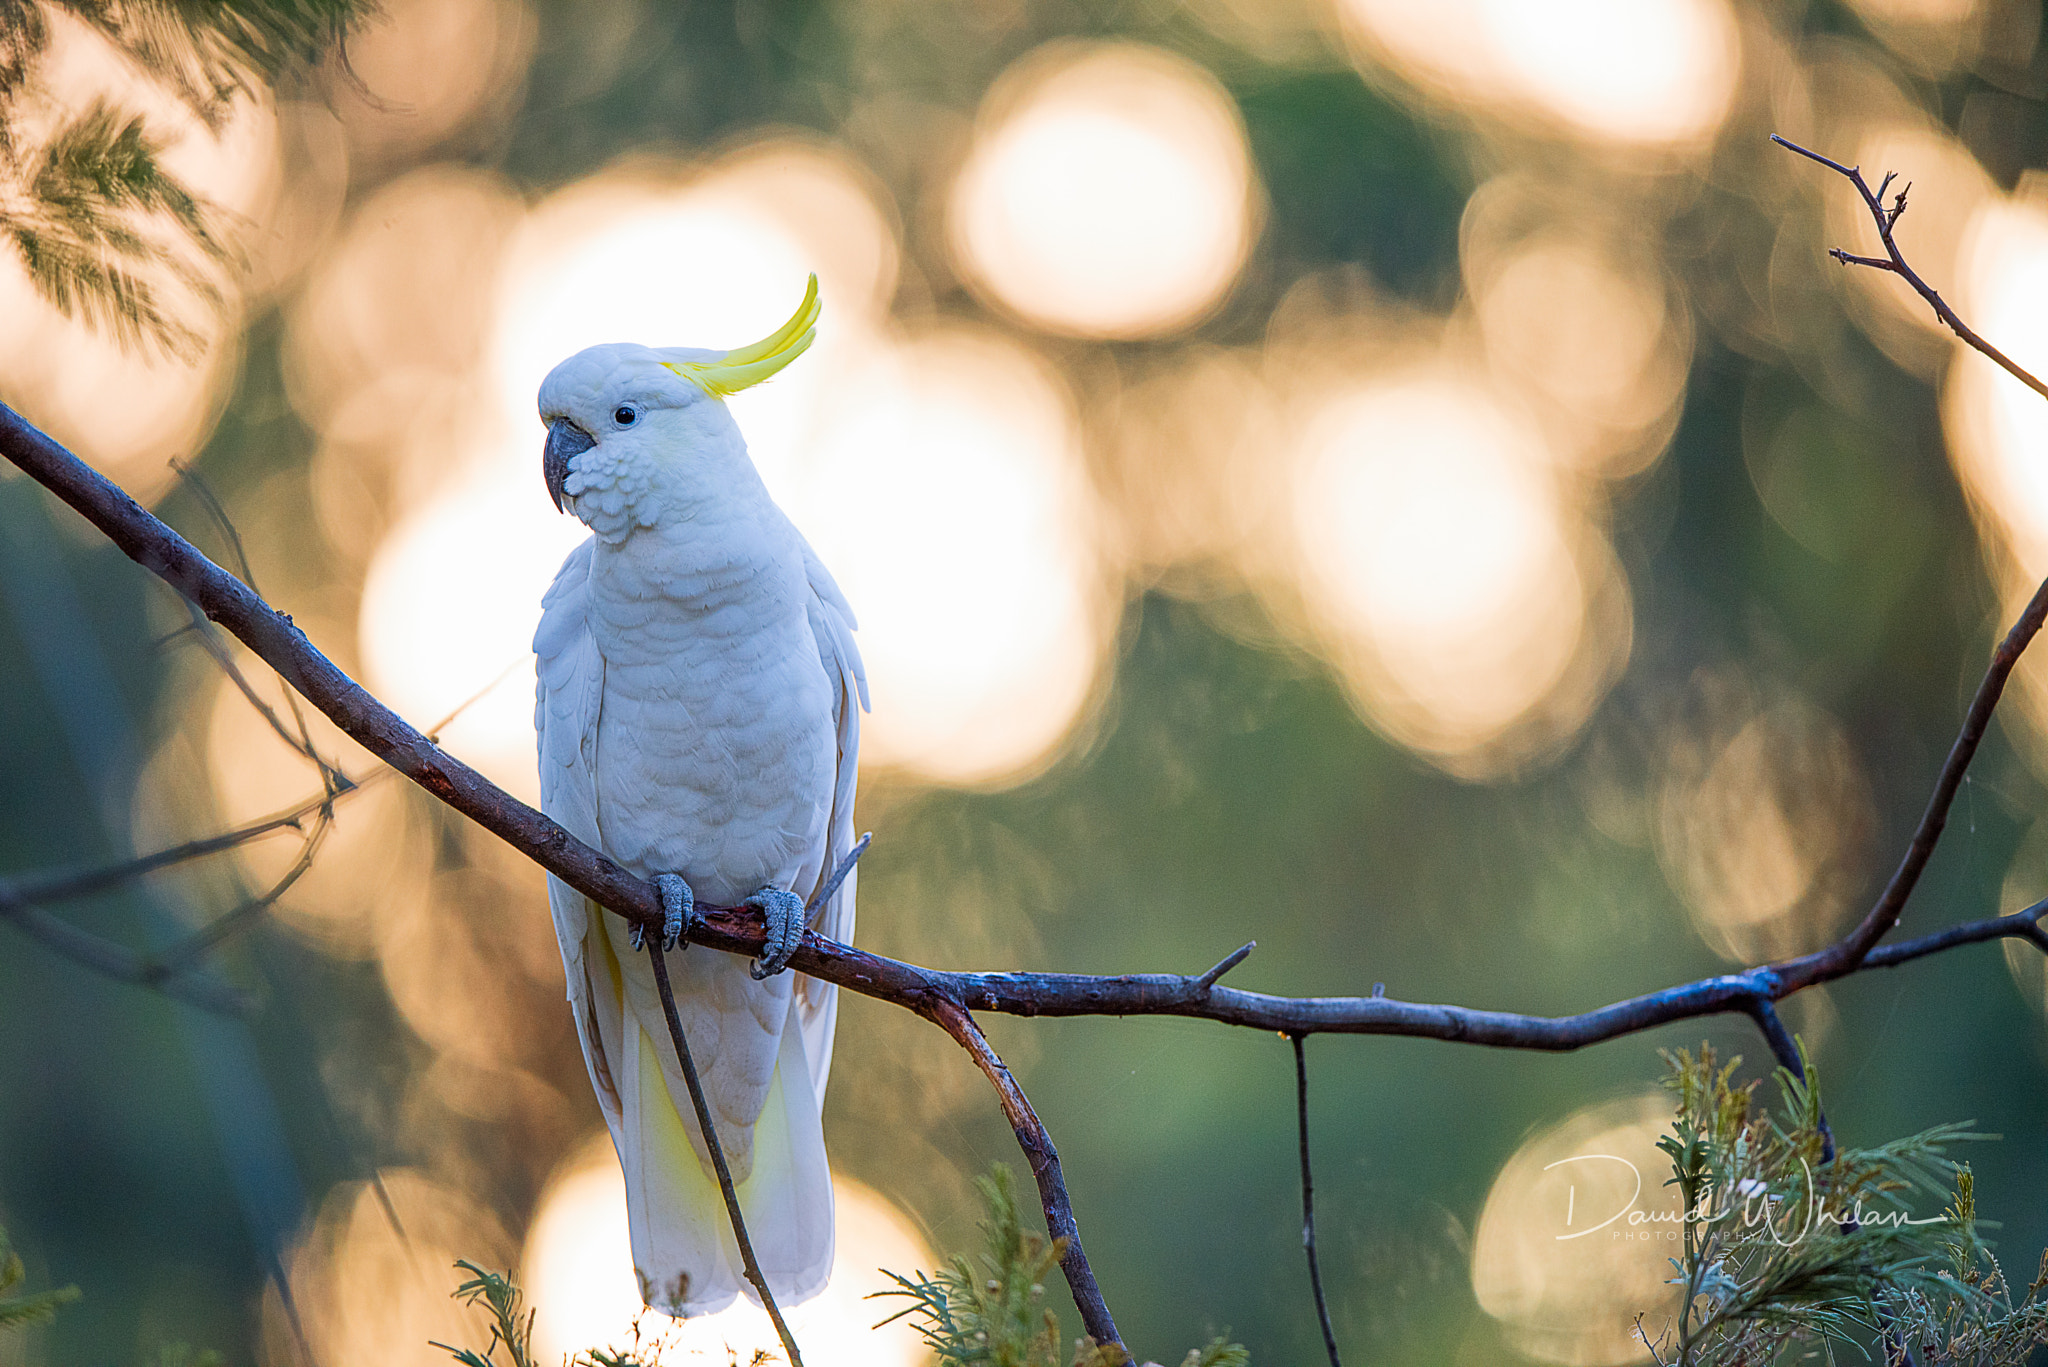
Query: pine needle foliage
[19, 1309]
[1791, 1252]
[991, 1310]
[98, 222]
[511, 1321]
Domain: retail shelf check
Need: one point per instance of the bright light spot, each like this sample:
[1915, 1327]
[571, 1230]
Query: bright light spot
[431, 66]
[449, 607]
[1564, 1288]
[1919, 11]
[1108, 193]
[1438, 556]
[716, 261]
[408, 289]
[1997, 426]
[367, 1291]
[1592, 342]
[1643, 72]
[947, 497]
[1764, 822]
[578, 1272]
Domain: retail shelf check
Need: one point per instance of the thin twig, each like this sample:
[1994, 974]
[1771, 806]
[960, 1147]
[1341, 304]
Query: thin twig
[1308, 1201]
[225, 659]
[860, 847]
[211, 935]
[118, 962]
[64, 885]
[659, 958]
[1878, 921]
[1226, 963]
[217, 510]
[1895, 261]
[2024, 925]
[1044, 1159]
[1785, 1049]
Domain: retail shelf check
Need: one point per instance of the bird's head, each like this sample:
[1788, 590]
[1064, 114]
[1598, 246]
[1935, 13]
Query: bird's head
[624, 419]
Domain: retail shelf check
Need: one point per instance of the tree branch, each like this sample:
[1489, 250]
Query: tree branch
[63, 885]
[1308, 1201]
[118, 962]
[947, 998]
[1044, 1159]
[1895, 261]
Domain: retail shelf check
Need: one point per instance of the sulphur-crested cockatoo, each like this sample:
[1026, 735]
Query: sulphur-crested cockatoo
[699, 716]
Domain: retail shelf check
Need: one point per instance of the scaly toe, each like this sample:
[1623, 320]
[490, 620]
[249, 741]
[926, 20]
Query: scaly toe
[678, 911]
[783, 913]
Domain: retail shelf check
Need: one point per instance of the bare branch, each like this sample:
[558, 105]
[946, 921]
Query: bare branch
[947, 998]
[64, 886]
[1228, 962]
[118, 962]
[1878, 921]
[1039, 1152]
[1786, 1050]
[1895, 261]
[1308, 1201]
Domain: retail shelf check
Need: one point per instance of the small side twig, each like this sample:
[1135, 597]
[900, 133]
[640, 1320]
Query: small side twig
[1894, 260]
[1226, 963]
[1785, 1050]
[659, 959]
[2023, 925]
[64, 885]
[300, 743]
[1850, 951]
[1308, 1201]
[118, 962]
[860, 847]
[1039, 1152]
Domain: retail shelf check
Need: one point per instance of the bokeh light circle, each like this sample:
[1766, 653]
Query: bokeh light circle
[1442, 564]
[1554, 1258]
[1108, 192]
[578, 1274]
[1646, 73]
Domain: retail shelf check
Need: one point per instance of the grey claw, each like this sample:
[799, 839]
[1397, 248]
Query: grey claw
[784, 913]
[678, 911]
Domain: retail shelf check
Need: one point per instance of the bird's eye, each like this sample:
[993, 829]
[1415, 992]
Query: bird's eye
[625, 415]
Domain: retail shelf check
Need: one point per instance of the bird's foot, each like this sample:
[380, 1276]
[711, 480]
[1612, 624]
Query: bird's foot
[678, 913]
[783, 912]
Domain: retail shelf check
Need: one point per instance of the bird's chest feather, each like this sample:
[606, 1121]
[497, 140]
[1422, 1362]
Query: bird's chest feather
[716, 745]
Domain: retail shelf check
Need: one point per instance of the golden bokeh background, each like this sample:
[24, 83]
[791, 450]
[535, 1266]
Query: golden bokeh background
[1401, 480]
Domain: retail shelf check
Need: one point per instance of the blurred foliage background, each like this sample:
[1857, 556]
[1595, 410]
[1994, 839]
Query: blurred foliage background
[1399, 481]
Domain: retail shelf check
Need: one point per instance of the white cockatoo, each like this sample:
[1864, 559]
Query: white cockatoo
[699, 710]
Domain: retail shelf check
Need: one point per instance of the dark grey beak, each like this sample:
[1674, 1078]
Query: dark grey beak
[566, 441]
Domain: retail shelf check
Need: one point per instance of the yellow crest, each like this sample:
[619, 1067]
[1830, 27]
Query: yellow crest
[750, 365]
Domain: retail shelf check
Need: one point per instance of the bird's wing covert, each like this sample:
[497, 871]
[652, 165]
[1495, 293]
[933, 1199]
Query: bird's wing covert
[832, 622]
[568, 695]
